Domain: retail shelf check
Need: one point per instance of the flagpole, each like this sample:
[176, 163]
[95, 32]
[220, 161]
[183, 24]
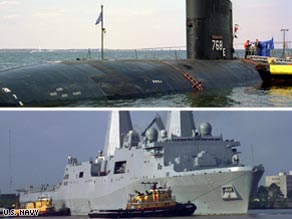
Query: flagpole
[102, 32]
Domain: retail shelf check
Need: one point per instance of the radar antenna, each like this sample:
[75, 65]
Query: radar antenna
[158, 122]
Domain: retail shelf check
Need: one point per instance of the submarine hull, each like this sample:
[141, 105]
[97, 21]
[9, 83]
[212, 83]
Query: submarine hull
[59, 83]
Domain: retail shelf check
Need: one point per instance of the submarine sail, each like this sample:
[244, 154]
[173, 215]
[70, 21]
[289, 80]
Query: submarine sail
[209, 29]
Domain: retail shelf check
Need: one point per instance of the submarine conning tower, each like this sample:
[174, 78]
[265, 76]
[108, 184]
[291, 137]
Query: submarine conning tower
[209, 29]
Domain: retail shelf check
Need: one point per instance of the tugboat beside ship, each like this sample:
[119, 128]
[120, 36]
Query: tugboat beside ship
[198, 167]
[45, 207]
[274, 71]
[157, 202]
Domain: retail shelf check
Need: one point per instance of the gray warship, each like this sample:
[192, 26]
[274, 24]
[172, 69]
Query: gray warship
[197, 166]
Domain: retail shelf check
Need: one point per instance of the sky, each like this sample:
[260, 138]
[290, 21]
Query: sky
[130, 24]
[41, 141]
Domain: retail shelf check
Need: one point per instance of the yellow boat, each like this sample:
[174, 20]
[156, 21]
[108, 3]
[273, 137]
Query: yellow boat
[281, 69]
[157, 202]
[273, 71]
[45, 207]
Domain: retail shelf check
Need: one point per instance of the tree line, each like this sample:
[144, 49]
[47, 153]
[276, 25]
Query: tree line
[270, 197]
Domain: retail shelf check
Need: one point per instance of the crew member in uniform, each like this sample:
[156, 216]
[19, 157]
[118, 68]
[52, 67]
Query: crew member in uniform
[247, 48]
[259, 47]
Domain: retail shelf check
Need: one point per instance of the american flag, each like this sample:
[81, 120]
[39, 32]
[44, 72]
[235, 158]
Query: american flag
[99, 19]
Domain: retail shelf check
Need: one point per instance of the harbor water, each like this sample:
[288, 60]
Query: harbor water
[259, 96]
[254, 214]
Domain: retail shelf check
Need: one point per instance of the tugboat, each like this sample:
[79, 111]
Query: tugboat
[157, 202]
[45, 207]
[274, 71]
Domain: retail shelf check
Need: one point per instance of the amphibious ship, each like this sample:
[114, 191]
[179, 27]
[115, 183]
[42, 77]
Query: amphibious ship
[209, 65]
[196, 165]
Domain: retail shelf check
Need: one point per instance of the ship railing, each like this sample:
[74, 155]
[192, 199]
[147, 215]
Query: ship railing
[34, 189]
[259, 58]
[156, 53]
[201, 138]
[276, 52]
[277, 44]
[267, 58]
[42, 188]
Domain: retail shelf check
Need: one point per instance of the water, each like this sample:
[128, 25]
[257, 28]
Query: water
[254, 214]
[275, 96]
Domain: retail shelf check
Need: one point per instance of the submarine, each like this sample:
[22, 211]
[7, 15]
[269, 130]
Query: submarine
[209, 65]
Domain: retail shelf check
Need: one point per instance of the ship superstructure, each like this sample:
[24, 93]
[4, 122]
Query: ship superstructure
[198, 166]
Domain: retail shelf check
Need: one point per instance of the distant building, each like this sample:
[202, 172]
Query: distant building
[283, 180]
[7, 200]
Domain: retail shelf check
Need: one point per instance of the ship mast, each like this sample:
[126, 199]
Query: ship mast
[180, 124]
[10, 163]
[102, 32]
[100, 20]
[284, 41]
[119, 124]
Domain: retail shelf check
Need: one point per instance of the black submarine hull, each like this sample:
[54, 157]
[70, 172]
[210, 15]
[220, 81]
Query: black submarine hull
[59, 83]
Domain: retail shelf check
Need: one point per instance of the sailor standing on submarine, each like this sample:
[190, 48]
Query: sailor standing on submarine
[247, 46]
[259, 47]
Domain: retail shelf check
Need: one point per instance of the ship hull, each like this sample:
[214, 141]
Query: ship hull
[205, 188]
[59, 84]
[178, 210]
